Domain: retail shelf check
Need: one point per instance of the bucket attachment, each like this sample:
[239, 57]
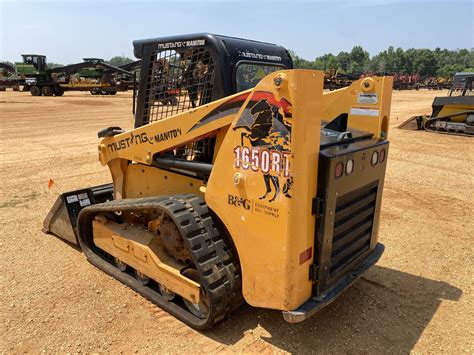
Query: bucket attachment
[62, 218]
[414, 123]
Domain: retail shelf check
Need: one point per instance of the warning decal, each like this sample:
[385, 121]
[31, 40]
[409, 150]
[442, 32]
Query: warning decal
[361, 111]
[71, 199]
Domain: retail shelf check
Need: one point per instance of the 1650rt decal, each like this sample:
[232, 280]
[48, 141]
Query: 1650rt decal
[266, 127]
[267, 161]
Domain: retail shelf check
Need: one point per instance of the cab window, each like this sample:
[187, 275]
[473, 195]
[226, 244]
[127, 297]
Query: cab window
[249, 74]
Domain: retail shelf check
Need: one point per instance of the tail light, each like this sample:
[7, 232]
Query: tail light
[339, 170]
[382, 156]
[375, 158]
[349, 166]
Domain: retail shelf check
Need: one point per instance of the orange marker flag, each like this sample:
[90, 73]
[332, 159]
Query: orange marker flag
[50, 183]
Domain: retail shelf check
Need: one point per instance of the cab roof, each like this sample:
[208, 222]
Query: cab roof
[233, 48]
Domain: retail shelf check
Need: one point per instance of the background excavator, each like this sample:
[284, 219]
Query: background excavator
[253, 185]
[453, 114]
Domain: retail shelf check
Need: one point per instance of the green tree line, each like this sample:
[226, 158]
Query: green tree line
[426, 62]
[119, 61]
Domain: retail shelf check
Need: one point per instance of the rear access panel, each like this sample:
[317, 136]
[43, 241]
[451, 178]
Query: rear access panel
[347, 209]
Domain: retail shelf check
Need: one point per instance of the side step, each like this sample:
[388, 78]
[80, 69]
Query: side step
[62, 218]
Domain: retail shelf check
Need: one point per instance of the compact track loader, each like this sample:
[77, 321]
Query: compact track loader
[253, 185]
[453, 114]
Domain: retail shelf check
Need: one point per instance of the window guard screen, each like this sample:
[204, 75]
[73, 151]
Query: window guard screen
[177, 81]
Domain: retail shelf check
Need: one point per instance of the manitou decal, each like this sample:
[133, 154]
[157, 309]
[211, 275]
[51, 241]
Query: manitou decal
[141, 138]
[164, 136]
[182, 44]
[265, 142]
[259, 56]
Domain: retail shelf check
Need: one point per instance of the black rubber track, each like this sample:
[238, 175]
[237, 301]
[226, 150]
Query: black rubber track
[428, 126]
[211, 254]
[218, 242]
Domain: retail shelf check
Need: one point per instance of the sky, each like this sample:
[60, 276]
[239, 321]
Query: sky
[66, 31]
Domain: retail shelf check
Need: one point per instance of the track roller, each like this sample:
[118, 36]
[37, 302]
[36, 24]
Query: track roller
[166, 293]
[142, 277]
[120, 264]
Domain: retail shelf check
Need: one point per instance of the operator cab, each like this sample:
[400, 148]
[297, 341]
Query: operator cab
[37, 60]
[462, 84]
[179, 73]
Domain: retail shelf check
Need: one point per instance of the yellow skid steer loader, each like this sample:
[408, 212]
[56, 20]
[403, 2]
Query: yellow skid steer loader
[242, 180]
[453, 114]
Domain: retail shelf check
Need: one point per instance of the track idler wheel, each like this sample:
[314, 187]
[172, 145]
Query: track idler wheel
[201, 309]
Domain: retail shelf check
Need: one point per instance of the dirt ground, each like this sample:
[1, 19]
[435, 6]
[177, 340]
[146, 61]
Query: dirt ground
[418, 298]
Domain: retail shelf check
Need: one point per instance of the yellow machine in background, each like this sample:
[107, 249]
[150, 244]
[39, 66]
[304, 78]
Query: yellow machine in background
[453, 114]
[265, 190]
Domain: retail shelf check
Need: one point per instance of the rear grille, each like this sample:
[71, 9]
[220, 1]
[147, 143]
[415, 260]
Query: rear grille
[352, 227]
